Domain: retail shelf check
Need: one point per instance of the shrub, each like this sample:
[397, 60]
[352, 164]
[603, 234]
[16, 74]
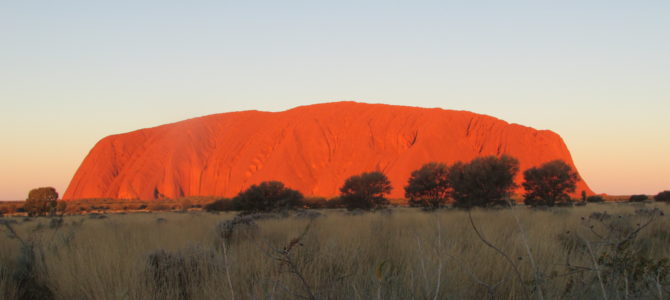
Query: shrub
[223, 204]
[326, 203]
[429, 186]
[485, 181]
[316, 202]
[663, 196]
[366, 191]
[638, 198]
[550, 183]
[595, 199]
[41, 201]
[267, 196]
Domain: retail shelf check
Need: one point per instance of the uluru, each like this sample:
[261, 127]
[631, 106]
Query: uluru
[313, 149]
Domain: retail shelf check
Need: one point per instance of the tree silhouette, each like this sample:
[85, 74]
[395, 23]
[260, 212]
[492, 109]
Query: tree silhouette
[429, 186]
[550, 183]
[484, 181]
[365, 191]
[267, 196]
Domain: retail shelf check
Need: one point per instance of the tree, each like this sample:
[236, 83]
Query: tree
[550, 183]
[485, 181]
[638, 198]
[429, 186]
[267, 196]
[365, 191]
[663, 196]
[41, 201]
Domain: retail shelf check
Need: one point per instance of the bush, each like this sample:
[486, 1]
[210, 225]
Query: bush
[267, 196]
[315, 202]
[428, 186]
[320, 203]
[223, 204]
[638, 198]
[41, 201]
[550, 183]
[485, 181]
[595, 199]
[663, 196]
[365, 191]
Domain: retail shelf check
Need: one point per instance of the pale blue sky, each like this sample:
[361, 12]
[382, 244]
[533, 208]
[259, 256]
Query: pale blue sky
[596, 72]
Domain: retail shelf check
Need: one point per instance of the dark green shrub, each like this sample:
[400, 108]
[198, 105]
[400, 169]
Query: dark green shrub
[223, 204]
[638, 198]
[268, 196]
[366, 191]
[315, 202]
[429, 186]
[663, 196]
[485, 181]
[550, 183]
[335, 202]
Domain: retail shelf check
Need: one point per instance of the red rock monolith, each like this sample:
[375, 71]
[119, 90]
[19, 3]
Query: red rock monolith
[313, 149]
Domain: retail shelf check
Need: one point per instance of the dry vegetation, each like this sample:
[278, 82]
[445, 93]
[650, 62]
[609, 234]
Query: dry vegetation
[403, 253]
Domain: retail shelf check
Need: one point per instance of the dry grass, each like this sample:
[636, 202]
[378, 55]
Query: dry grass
[406, 254]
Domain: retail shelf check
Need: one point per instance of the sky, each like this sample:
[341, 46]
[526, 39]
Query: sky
[595, 72]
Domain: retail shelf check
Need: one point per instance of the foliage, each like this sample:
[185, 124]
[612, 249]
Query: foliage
[663, 196]
[595, 199]
[223, 204]
[428, 186]
[267, 196]
[320, 203]
[638, 198]
[550, 183]
[366, 191]
[619, 258]
[484, 181]
[41, 201]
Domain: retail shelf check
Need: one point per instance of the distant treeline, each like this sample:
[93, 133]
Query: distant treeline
[482, 182]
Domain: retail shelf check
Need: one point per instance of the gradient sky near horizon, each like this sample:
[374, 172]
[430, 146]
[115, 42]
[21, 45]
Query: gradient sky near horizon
[595, 72]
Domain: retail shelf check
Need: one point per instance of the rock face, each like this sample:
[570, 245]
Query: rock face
[313, 149]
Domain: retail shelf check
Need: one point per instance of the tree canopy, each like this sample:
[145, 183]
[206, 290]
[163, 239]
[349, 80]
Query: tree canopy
[366, 191]
[429, 186]
[41, 201]
[549, 183]
[484, 181]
